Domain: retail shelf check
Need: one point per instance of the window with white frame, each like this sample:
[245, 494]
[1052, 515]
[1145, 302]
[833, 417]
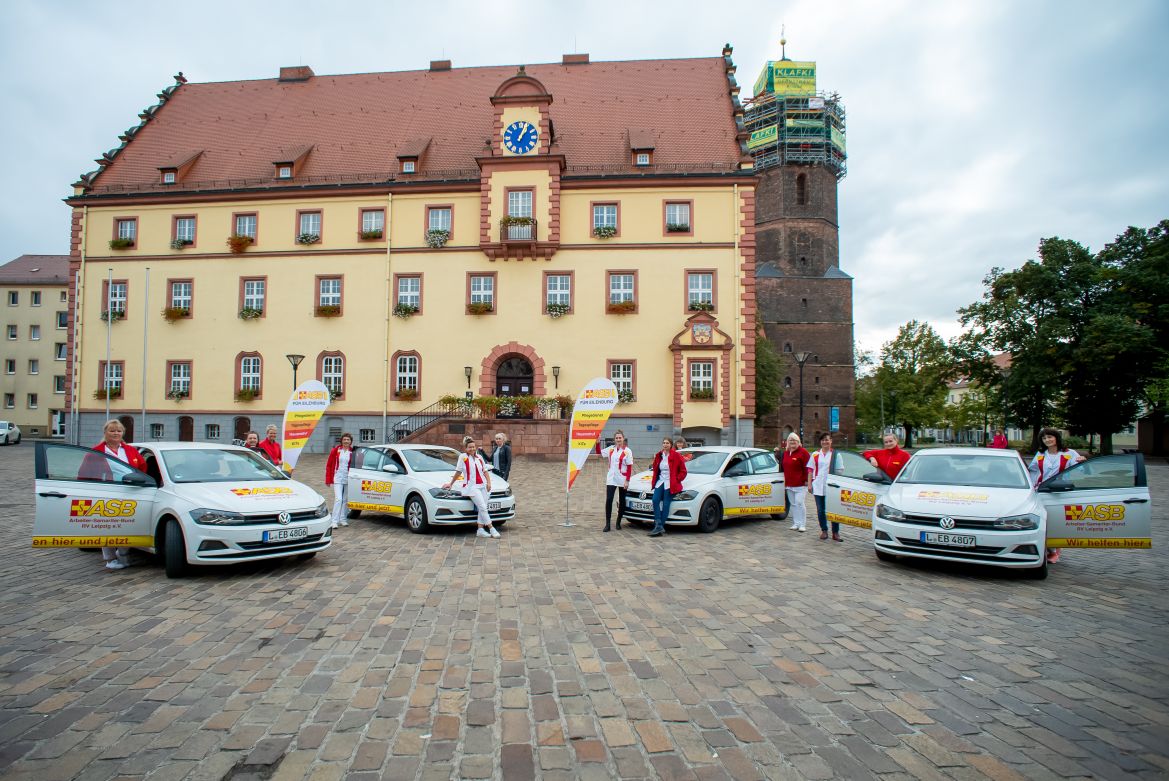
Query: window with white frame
[117, 297]
[702, 376]
[620, 288]
[58, 383]
[410, 292]
[310, 223]
[34, 366]
[13, 298]
[64, 297]
[10, 366]
[643, 158]
[180, 378]
[605, 215]
[168, 177]
[34, 298]
[622, 376]
[407, 166]
[249, 373]
[211, 431]
[60, 351]
[333, 373]
[373, 220]
[12, 333]
[33, 400]
[483, 289]
[127, 230]
[519, 203]
[407, 372]
[438, 219]
[180, 295]
[157, 430]
[185, 229]
[34, 332]
[559, 289]
[700, 288]
[113, 378]
[9, 400]
[245, 225]
[62, 320]
[254, 292]
[365, 435]
[329, 291]
[678, 214]
[284, 172]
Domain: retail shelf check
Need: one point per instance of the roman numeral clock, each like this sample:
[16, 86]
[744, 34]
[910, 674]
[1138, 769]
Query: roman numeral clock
[520, 137]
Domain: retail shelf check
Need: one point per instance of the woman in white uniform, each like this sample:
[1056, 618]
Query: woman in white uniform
[1049, 462]
[471, 469]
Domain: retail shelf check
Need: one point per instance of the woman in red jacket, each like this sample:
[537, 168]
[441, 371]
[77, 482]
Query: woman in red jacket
[337, 475]
[93, 468]
[669, 470]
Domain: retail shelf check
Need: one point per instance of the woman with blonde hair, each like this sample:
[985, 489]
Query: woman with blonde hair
[113, 446]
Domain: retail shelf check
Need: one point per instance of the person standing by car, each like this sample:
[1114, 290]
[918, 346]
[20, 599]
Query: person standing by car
[1000, 440]
[890, 459]
[252, 443]
[818, 468]
[472, 470]
[501, 455]
[337, 475]
[669, 470]
[795, 477]
[1049, 462]
[620, 460]
[113, 446]
[271, 447]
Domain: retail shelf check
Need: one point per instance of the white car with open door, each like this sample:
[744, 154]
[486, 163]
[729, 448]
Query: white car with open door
[407, 481]
[195, 504]
[721, 482]
[9, 433]
[978, 506]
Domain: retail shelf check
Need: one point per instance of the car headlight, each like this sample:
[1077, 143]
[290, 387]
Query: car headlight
[445, 493]
[1018, 523]
[322, 511]
[889, 513]
[207, 516]
[686, 496]
[508, 491]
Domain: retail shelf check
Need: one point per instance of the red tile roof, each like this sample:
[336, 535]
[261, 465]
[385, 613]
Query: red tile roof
[36, 269]
[358, 124]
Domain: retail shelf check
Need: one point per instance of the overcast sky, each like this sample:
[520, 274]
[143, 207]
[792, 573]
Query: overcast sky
[974, 128]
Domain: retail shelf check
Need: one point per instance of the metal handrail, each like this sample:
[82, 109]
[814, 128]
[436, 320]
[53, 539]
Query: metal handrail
[405, 427]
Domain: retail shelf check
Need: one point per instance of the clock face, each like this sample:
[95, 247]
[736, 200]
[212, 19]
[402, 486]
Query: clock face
[520, 137]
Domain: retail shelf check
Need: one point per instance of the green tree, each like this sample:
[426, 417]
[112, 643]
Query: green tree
[768, 369]
[911, 377]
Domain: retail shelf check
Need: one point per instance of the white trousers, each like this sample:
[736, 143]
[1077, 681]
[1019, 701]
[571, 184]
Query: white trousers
[478, 495]
[796, 511]
[340, 496]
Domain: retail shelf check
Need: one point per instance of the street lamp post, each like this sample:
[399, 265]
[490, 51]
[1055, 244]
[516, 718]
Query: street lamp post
[295, 361]
[802, 358]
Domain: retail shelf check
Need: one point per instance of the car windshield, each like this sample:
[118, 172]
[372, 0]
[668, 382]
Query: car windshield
[218, 466]
[436, 460]
[702, 462]
[965, 470]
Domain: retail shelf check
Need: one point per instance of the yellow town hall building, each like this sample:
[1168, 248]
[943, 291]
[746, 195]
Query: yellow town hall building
[501, 231]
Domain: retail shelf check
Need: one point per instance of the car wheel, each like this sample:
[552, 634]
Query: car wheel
[1037, 573]
[354, 514]
[883, 556]
[174, 554]
[416, 515]
[779, 516]
[709, 516]
[5, 442]
[306, 556]
[497, 524]
[18, 439]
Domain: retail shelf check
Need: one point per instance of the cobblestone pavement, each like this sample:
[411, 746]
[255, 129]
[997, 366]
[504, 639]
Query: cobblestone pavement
[565, 653]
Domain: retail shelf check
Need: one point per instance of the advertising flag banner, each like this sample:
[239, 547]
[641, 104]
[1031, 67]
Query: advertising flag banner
[763, 136]
[305, 408]
[589, 415]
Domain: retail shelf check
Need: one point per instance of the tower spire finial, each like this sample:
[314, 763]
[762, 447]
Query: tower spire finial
[783, 42]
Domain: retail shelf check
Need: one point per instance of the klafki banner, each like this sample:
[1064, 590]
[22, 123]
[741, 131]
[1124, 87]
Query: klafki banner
[589, 415]
[305, 408]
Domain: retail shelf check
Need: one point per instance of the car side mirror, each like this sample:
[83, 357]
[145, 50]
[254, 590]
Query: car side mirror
[878, 477]
[735, 471]
[392, 468]
[139, 479]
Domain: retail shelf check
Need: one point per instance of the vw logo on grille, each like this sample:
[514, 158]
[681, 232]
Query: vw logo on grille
[284, 519]
[946, 522]
[644, 495]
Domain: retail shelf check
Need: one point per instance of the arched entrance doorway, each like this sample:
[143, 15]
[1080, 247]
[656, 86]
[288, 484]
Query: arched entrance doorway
[128, 424]
[242, 427]
[186, 429]
[514, 377]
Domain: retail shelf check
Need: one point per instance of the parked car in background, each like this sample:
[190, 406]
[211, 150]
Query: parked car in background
[9, 433]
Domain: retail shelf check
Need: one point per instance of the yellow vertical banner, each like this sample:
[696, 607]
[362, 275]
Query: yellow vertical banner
[305, 408]
[589, 415]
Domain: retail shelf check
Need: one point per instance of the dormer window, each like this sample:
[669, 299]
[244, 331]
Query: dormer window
[169, 176]
[641, 158]
[284, 172]
[408, 166]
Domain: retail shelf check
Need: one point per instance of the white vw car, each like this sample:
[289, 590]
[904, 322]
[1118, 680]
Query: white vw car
[721, 482]
[978, 506]
[195, 504]
[407, 481]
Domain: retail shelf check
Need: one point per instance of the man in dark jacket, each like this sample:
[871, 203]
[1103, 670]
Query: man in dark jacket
[501, 456]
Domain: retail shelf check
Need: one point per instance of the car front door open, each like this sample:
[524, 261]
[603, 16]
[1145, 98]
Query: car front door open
[1100, 503]
[848, 497]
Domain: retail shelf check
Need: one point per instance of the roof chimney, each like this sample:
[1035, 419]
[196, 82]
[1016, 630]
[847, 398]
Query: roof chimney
[296, 73]
[440, 65]
[575, 59]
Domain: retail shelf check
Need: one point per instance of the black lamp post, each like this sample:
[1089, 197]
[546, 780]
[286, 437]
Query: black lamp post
[802, 358]
[295, 361]
[556, 376]
[467, 371]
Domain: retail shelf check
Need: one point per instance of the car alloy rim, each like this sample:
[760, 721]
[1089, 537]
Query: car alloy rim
[415, 517]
